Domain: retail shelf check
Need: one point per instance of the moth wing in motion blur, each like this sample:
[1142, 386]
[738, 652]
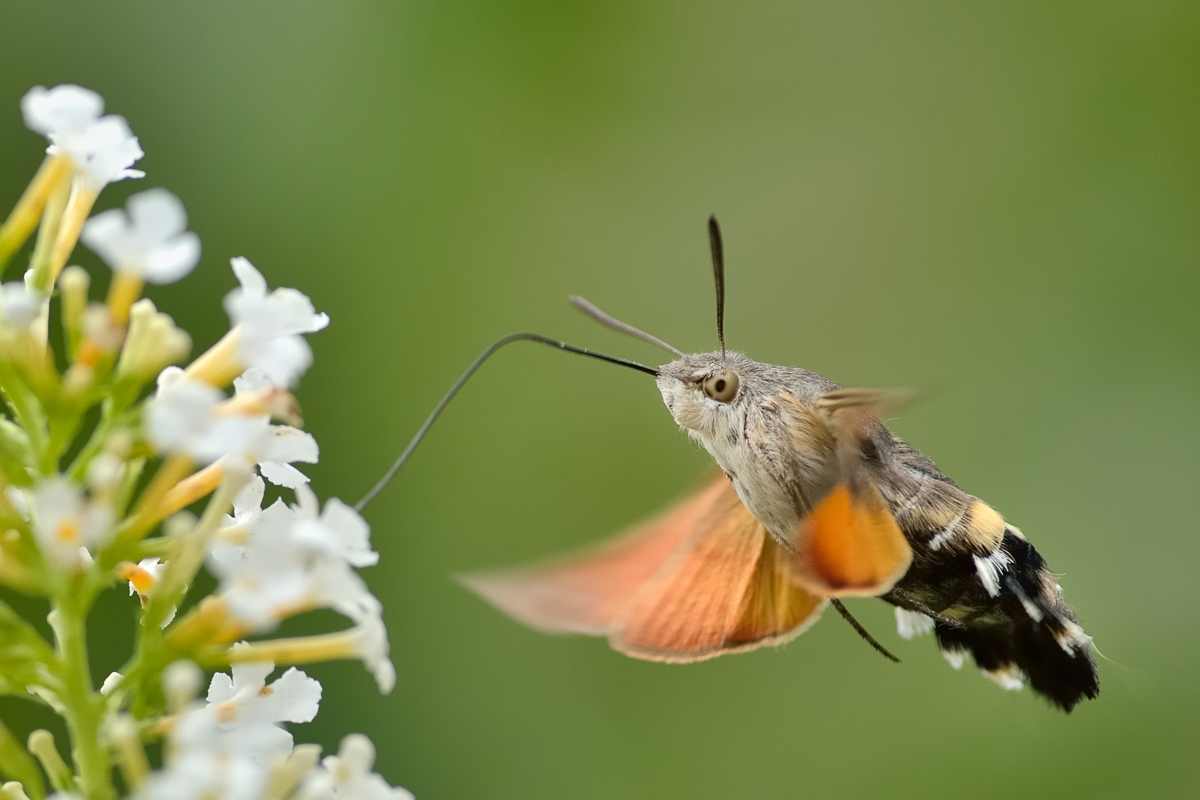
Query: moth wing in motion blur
[703, 580]
[849, 544]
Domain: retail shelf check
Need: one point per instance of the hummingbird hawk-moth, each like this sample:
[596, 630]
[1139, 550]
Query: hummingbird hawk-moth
[817, 500]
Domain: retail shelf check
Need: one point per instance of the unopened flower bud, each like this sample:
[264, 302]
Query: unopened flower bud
[179, 525]
[73, 289]
[181, 682]
[110, 683]
[100, 329]
[153, 343]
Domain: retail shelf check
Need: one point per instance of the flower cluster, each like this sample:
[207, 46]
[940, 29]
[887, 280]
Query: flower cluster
[108, 440]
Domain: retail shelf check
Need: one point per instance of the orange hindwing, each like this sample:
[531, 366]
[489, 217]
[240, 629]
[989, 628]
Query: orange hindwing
[703, 580]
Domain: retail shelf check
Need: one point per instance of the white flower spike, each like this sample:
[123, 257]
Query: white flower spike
[149, 239]
[271, 325]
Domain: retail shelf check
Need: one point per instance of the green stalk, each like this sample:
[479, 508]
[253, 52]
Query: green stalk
[84, 706]
[61, 433]
[26, 407]
[17, 765]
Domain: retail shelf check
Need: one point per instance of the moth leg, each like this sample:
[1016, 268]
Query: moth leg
[901, 598]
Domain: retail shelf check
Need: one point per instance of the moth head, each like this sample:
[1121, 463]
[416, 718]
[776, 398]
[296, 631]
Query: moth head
[705, 392]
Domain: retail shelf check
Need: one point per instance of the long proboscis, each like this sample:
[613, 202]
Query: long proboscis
[484, 356]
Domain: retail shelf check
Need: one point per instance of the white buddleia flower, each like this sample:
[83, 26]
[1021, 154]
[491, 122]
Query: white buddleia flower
[348, 776]
[296, 559]
[338, 531]
[104, 152]
[276, 447]
[264, 579]
[182, 418]
[271, 325]
[67, 525]
[65, 110]
[143, 577]
[149, 238]
[250, 712]
[195, 418]
[205, 764]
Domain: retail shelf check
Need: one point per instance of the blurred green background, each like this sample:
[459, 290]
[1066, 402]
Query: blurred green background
[998, 204]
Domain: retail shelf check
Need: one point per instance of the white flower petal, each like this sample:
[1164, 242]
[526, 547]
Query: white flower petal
[247, 504]
[252, 281]
[295, 697]
[157, 214]
[288, 444]
[263, 742]
[221, 688]
[107, 234]
[251, 381]
[65, 109]
[251, 675]
[374, 650]
[282, 358]
[19, 305]
[173, 259]
[284, 475]
[353, 533]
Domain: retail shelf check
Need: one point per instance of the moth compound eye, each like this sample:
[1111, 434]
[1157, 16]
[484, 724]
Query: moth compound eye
[721, 386]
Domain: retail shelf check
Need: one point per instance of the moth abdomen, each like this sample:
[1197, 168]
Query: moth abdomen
[1018, 629]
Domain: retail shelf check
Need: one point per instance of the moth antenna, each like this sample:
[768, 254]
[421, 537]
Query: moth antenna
[624, 327]
[437, 411]
[846, 615]
[718, 259]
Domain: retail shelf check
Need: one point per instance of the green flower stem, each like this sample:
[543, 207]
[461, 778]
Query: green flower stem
[113, 415]
[185, 557]
[56, 203]
[20, 223]
[84, 706]
[26, 407]
[16, 764]
[62, 431]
